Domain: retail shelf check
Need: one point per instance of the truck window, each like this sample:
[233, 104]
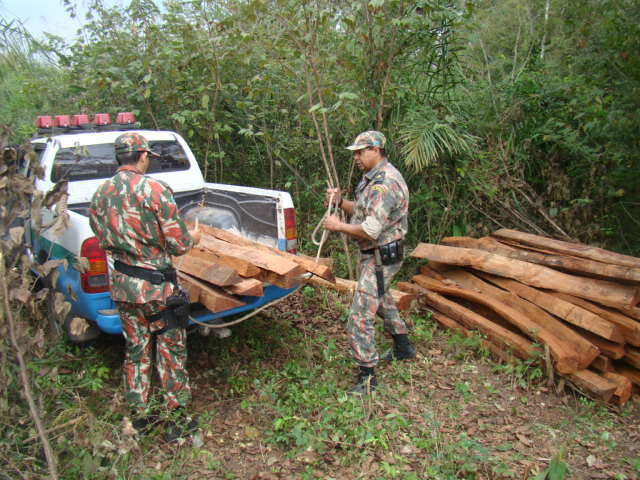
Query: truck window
[89, 162]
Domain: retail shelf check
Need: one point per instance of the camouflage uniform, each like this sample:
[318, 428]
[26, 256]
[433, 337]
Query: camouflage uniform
[383, 195]
[136, 219]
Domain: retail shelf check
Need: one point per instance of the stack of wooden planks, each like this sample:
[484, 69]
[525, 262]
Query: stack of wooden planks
[536, 297]
[224, 267]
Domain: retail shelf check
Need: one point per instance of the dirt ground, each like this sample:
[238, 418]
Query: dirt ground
[449, 393]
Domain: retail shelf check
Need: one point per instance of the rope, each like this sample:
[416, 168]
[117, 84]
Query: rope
[324, 232]
[246, 317]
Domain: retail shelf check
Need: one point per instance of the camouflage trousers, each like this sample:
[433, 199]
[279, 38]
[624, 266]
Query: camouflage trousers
[366, 304]
[171, 356]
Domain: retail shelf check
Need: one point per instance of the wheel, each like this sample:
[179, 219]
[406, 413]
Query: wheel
[79, 330]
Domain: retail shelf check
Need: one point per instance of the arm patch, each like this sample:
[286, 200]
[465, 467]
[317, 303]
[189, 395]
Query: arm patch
[379, 178]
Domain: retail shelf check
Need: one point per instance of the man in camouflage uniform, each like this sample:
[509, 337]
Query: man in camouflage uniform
[379, 221]
[136, 219]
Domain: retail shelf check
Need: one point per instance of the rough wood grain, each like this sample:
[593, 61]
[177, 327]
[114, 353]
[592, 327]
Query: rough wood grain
[567, 311]
[584, 349]
[247, 286]
[305, 262]
[628, 371]
[564, 354]
[623, 390]
[404, 301]
[505, 339]
[629, 328]
[263, 260]
[206, 270]
[572, 264]
[593, 384]
[602, 363]
[632, 356]
[211, 297]
[530, 274]
[243, 267]
[567, 248]
[606, 347]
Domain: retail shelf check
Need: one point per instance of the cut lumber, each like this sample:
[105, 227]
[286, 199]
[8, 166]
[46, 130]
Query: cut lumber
[628, 371]
[564, 355]
[606, 347]
[243, 267]
[206, 270]
[211, 297]
[602, 363]
[451, 324]
[623, 390]
[593, 384]
[251, 287]
[632, 357]
[282, 281]
[566, 311]
[567, 248]
[629, 328]
[505, 339]
[305, 262]
[584, 349]
[576, 265]
[531, 274]
[403, 300]
[263, 260]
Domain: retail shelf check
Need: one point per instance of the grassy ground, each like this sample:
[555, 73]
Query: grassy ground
[270, 400]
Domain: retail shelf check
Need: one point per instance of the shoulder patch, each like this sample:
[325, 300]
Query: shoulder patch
[378, 188]
[379, 178]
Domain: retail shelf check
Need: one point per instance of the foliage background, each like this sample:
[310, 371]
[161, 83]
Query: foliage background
[520, 114]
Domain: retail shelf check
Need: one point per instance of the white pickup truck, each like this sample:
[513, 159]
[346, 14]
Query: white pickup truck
[83, 153]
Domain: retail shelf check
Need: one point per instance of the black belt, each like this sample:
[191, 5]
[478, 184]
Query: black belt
[371, 251]
[154, 276]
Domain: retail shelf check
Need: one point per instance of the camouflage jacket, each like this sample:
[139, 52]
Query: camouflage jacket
[383, 194]
[136, 219]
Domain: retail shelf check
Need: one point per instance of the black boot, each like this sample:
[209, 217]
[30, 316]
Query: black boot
[366, 383]
[143, 423]
[180, 425]
[402, 349]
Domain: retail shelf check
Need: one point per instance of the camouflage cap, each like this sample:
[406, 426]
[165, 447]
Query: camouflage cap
[132, 142]
[368, 139]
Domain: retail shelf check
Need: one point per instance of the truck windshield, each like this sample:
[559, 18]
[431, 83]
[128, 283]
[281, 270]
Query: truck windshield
[90, 162]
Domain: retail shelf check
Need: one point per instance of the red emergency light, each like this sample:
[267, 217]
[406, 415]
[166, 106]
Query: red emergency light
[80, 119]
[62, 121]
[101, 119]
[44, 121]
[125, 118]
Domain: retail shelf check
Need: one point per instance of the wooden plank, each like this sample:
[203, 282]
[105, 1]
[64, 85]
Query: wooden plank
[566, 311]
[593, 384]
[584, 349]
[308, 264]
[623, 390]
[211, 297]
[404, 301]
[251, 287]
[632, 356]
[531, 274]
[505, 339]
[447, 322]
[628, 371]
[567, 248]
[629, 328]
[572, 264]
[282, 281]
[602, 363]
[243, 267]
[606, 347]
[564, 355]
[206, 270]
[263, 260]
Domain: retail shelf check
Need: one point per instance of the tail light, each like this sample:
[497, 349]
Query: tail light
[44, 121]
[290, 230]
[95, 279]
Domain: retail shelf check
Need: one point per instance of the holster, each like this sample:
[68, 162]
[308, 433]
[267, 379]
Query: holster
[175, 314]
[379, 272]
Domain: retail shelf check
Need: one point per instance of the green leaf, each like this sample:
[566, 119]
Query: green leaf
[557, 469]
[348, 96]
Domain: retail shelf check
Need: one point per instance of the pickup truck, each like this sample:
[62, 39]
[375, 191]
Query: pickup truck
[83, 154]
